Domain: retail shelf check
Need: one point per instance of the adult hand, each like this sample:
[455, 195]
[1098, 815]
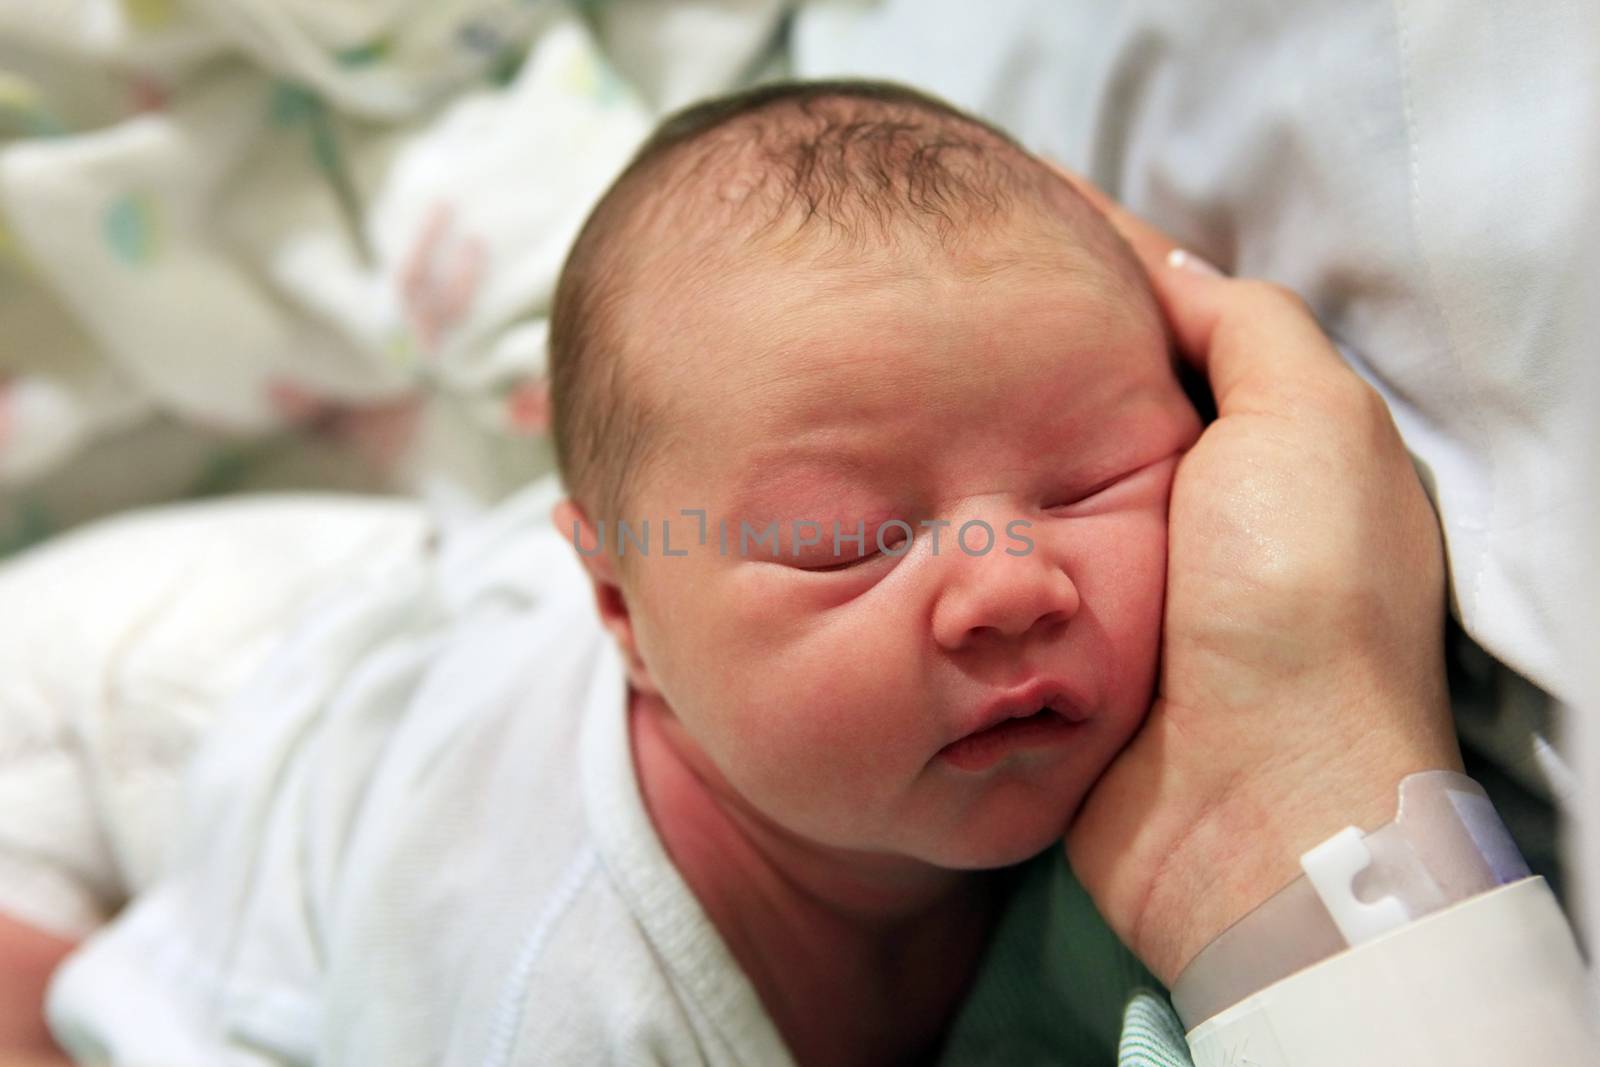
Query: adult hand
[1302, 669]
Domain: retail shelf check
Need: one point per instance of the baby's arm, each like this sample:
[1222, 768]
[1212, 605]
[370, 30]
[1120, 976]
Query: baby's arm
[27, 957]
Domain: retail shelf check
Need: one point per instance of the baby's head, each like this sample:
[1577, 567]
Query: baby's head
[849, 309]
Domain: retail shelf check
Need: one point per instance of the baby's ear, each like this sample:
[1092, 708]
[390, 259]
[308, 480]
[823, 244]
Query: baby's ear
[610, 601]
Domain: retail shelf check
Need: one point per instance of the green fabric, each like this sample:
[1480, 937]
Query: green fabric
[1152, 1036]
[1058, 988]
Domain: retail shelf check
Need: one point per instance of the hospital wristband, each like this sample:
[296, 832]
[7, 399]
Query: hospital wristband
[1445, 845]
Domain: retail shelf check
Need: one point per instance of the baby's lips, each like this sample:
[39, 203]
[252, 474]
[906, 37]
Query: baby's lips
[1068, 707]
[1027, 699]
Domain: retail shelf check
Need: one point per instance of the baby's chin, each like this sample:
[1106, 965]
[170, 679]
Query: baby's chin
[992, 856]
[1010, 825]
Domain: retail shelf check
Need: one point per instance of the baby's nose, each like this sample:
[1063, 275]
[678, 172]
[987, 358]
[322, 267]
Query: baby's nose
[1015, 589]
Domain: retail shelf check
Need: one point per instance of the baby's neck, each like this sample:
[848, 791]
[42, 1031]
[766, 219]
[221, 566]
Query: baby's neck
[858, 958]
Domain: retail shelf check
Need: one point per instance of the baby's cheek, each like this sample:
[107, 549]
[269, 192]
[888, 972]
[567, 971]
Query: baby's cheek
[1124, 580]
[796, 715]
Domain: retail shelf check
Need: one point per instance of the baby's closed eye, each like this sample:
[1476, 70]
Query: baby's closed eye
[1133, 487]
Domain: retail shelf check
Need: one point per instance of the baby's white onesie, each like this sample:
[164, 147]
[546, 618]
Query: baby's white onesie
[417, 838]
[120, 643]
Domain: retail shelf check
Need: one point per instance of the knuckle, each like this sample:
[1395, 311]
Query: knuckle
[1366, 403]
[1274, 295]
[1373, 403]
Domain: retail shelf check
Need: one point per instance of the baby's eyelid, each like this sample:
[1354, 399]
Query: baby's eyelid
[1078, 497]
[893, 539]
[842, 565]
[852, 562]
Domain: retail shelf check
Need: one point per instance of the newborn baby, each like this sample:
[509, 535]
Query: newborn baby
[898, 407]
[867, 424]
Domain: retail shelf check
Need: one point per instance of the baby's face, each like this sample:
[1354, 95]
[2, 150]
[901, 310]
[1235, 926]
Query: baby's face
[831, 691]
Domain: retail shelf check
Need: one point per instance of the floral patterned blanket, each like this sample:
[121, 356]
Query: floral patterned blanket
[273, 244]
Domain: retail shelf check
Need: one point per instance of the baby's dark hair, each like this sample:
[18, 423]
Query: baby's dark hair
[818, 168]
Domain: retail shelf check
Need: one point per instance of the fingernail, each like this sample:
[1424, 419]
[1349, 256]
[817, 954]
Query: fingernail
[1178, 259]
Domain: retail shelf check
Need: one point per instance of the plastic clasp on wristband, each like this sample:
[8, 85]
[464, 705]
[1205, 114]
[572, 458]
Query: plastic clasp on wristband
[1445, 845]
[1332, 867]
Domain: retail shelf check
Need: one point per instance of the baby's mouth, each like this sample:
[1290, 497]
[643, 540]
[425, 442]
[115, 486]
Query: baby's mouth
[984, 748]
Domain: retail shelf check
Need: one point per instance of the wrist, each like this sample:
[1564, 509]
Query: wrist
[1226, 863]
[1246, 846]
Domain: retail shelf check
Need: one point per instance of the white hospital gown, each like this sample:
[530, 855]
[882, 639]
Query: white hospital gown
[416, 838]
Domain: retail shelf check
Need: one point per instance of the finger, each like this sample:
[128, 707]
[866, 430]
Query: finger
[1231, 330]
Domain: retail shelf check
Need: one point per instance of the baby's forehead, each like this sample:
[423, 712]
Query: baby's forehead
[733, 322]
[782, 337]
